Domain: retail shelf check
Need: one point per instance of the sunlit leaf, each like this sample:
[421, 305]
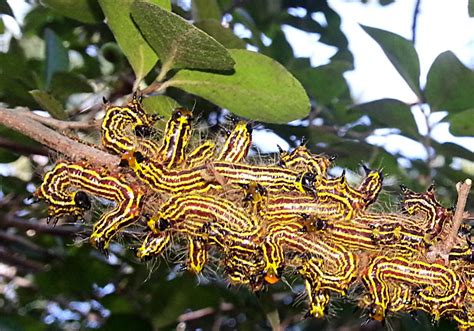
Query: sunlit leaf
[57, 58]
[178, 43]
[87, 11]
[390, 113]
[160, 104]
[462, 124]
[141, 56]
[401, 53]
[325, 83]
[260, 89]
[449, 84]
[49, 104]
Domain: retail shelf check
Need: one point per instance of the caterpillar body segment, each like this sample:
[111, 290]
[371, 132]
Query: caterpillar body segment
[335, 273]
[237, 144]
[123, 128]
[154, 245]
[201, 154]
[425, 205]
[318, 301]
[303, 160]
[175, 138]
[198, 254]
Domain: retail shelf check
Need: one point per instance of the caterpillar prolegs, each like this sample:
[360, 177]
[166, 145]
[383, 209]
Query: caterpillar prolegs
[262, 221]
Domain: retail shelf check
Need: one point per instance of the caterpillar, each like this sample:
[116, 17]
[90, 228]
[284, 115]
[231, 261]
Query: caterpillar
[64, 188]
[264, 221]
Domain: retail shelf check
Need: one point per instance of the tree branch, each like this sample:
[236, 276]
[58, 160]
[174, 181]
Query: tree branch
[68, 147]
[22, 149]
[8, 220]
[442, 249]
[58, 124]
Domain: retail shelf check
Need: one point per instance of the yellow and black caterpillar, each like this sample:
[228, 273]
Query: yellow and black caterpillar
[260, 220]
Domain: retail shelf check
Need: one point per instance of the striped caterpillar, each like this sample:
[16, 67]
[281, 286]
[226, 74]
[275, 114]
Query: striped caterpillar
[263, 220]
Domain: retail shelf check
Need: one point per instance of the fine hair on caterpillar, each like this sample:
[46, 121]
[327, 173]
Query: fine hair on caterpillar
[206, 207]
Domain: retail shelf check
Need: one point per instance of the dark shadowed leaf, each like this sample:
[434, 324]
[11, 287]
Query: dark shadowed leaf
[87, 11]
[280, 49]
[449, 85]
[49, 104]
[453, 150]
[470, 7]
[64, 84]
[5, 8]
[462, 124]
[401, 53]
[390, 113]
[205, 10]
[222, 34]
[260, 89]
[141, 56]
[126, 322]
[160, 104]
[178, 43]
[57, 58]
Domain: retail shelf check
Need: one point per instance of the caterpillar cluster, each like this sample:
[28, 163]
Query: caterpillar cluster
[261, 220]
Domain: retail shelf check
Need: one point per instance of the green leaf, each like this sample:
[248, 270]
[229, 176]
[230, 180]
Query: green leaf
[390, 113]
[118, 322]
[449, 84]
[5, 8]
[49, 104]
[57, 58]
[223, 35]
[160, 104]
[453, 150]
[462, 124]
[205, 9]
[86, 11]
[178, 43]
[401, 53]
[470, 8]
[325, 83]
[2, 27]
[64, 84]
[141, 56]
[260, 89]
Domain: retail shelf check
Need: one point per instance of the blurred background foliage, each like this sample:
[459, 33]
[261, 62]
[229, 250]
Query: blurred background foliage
[66, 58]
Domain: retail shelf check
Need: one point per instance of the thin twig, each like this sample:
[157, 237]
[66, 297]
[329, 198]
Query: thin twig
[21, 261]
[73, 150]
[197, 314]
[416, 12]
[58, 124]
[463, 189]
[442, 249]
[9, 220]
